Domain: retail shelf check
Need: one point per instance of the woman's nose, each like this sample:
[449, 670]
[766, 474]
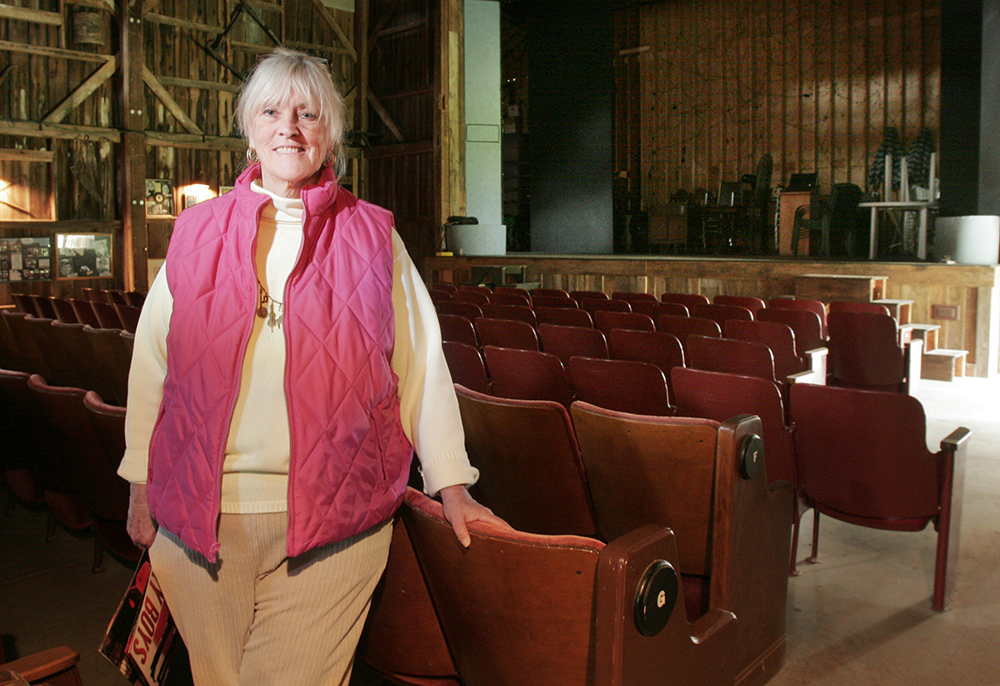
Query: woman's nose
[289, 125]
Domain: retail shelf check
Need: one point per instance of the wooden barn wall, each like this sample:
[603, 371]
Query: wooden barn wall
[403, 172]
[711, 85]
[62, 115]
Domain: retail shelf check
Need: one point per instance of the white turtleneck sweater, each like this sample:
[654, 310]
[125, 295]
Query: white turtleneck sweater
[255, 470]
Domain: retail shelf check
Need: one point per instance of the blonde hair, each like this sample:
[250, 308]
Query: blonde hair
[273, 80]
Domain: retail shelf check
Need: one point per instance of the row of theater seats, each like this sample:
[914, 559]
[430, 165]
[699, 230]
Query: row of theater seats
[653, 550]
[73, 355]
[114, 313]
[54, 667]
[63, 447]
[857, 345]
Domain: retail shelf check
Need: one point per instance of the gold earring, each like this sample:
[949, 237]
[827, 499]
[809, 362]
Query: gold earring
[252, 156]
[329, 159]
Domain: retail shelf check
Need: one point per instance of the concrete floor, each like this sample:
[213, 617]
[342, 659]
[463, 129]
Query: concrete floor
[862, 615]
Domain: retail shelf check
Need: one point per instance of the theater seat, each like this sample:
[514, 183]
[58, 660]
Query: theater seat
[702, 479]
[534, 610]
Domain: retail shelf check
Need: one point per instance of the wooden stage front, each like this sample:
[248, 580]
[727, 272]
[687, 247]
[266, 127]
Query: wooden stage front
[968, 292]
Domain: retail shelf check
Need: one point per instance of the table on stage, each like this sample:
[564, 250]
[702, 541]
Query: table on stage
[922, 206]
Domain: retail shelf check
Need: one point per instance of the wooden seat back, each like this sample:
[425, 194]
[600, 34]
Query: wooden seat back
[654, 309]
[623, 385]
[682, 327]
[865, 351]
[686, 299]
[563, 316]
[696, 476]
[748, 301]
[506, 333]
[519, 312]
[519, 608]
[607, 320]
[805, 324]
[531, 473]
[458, 329]
[778, 337]
[466, 365]
[731, 356]
[568, 341]
[527, 375]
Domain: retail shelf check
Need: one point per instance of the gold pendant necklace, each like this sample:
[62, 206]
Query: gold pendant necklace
[266, 307]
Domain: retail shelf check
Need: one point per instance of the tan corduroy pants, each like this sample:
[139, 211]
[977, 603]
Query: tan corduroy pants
[256, 617]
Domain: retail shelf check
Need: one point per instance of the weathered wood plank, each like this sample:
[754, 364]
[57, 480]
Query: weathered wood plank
[168, 101]
[30, 15]
[29, 49]
[84, 91]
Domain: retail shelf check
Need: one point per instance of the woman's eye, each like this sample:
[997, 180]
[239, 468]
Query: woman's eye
[308, 115]
[269, 112]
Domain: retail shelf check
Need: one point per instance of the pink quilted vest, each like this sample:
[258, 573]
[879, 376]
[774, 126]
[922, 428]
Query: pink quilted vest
[349, 456]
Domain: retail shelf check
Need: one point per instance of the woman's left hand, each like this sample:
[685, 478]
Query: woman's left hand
[460, 508]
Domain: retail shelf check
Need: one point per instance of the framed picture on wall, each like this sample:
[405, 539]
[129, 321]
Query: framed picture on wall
[159, 197]
[83, 255]
[25, 259]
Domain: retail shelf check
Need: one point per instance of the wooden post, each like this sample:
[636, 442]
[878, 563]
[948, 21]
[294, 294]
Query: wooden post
[451, 114]
[361, 10]
[132, 151]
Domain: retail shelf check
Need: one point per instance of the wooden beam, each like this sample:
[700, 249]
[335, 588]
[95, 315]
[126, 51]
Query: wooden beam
[131, 154]
[30, 15]
[328, 17]
[382, 22]
[82, 92]
[385, 116]
[20, 155]
[401, 28]
[8, 226]
[27, 49]
[154, 85]
[204, 85]
[183, 24]
[58, 131]
[149, 5]
[194, 141]
[361, 77]
[316, 47]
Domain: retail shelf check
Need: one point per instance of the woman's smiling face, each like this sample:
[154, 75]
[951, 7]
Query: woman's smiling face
[291, 143]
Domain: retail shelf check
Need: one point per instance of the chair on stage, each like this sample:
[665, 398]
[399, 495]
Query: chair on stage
[553, 301]
[531, 472]
[865, 353]
[683, 327]
[654, 309]
[862, 458]
[506, 333]
[467, 366]
[568, 341]
[721, 313]
[563, 316]
[85, 458]
[838, 213]
[689, 300]
[713, 395]
[533, 610]
[458, 329]
[622, 385]
[607, 320]
[50, 667]
[527, 375]
[459, 309]
[781, 340]
[521, 313]
[807, 327]
[747, 301]
[703, 480]
[654, 347]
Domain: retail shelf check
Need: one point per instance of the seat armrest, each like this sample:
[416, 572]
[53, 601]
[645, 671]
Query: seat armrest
[47, 665]
[808, 376]
[949, 525]
[681, 653]
[817, 362]
[913, 358]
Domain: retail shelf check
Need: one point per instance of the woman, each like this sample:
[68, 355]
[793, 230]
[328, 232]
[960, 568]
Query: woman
[286, 364]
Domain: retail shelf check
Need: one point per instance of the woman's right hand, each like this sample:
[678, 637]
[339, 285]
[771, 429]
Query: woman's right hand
[140, 526]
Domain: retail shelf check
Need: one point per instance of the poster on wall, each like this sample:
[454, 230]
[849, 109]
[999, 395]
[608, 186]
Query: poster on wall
[25, 259]
[83, 256]
[159, 197]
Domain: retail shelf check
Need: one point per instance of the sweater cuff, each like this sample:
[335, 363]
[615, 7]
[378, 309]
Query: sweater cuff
[447, 469]
[134, 466]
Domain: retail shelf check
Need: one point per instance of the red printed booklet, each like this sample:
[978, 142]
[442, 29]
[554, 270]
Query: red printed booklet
[142, 639]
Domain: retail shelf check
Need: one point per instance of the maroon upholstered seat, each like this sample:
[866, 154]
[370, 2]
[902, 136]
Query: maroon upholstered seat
[862, 458]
